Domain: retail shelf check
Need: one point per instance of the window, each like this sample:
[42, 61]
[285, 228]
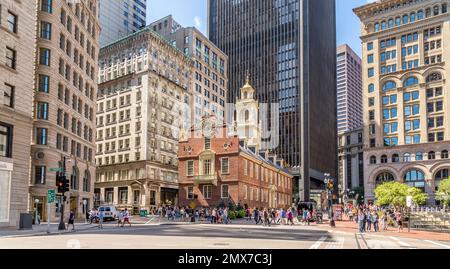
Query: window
[444, 154]
[371, 88]
[46, 30]
[12, 22]
[224, 192]
[44, 84]
[42, 111]
[373, 160]
[370, 46]
[407, 157]
[46, 6]
[389, 85]
[44, 56]
[207, 167]
[370, 58]
[384, 159]
[395, 158]
[225, 166]
[431, 155]
[5, 140]
[41, 136]
[207, 191]
[190, 168]
[207, 143]
[10, 58]
[39, 175]
[190, 193]
[370, 72]
[415, 178]
[8, 95]
[411, 81]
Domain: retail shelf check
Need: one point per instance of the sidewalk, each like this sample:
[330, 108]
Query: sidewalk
[352, 227]
[42, 230]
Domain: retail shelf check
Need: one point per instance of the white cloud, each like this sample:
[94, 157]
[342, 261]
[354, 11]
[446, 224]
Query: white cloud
[198, 22]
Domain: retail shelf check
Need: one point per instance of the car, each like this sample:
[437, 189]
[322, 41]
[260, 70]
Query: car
[109, 212]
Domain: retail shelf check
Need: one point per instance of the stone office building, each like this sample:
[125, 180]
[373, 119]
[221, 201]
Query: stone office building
[144, 86]
[406, 93]
[17, 43]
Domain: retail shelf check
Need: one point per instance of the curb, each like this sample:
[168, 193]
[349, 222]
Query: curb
[45, 233]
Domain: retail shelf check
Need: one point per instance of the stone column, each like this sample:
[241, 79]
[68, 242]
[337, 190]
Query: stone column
[116, 196]
[102, 196]
[130, 196]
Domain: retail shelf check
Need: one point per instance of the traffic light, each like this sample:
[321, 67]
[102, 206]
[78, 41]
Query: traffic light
[59, 183]
[66, 184]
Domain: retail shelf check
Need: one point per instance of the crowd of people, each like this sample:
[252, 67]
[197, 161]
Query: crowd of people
[221, 215]
[373, 218]
[98, 216]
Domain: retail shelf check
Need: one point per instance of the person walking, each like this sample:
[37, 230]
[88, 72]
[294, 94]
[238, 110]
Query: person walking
[283, 217]
[126, 218]
[290, 217]
[101, 215]
[120, 218]
[368, 221]
[256, 216]
[375, 220]
[71, 221]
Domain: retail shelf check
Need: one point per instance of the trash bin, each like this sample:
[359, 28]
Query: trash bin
[25, 221]
[143, 213]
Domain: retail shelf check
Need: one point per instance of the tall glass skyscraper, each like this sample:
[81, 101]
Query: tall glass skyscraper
[289, 48]
[119, 18]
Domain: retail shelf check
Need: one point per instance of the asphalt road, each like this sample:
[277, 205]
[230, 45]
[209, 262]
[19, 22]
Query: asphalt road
[201, 236]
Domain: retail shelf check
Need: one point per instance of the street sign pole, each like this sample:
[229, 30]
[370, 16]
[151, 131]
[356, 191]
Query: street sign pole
[409, 204]
[50, 200]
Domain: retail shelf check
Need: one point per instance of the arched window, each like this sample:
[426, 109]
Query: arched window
[373, 160]
[395, 158]
[377, 27]
[371, 88]
[405, 19]
[245, 95]
[411, 81]
[444, 154]
[391, 23]
[384, 159]
[74, 178]
[436, 10]
[427, 12]
[87, 181]
[434, 77]
[440, 175]
[444, 8]
[431, 155]
[407, 157]
[415, 178]
[389, 85]
[384, 177]
[398, 21]
[412, 17]
[383, 25]
[420, 15]
[419, 156]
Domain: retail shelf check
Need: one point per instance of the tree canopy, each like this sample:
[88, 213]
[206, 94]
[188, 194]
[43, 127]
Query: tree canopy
[443, 192]
[395, 193]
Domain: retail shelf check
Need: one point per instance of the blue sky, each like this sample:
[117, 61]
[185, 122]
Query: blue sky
[194, 13]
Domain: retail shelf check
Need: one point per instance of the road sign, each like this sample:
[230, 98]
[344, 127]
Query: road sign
[60, 169]
[51, 196]
[409, 201]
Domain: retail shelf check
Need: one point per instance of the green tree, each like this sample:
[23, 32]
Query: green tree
[443, 192]
[395, 193]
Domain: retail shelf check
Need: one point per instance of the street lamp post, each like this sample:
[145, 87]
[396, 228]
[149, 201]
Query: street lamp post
[85, 211]
[62, 225]
[329, 183]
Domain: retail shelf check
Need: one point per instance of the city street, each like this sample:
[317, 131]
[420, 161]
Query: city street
[207, 236]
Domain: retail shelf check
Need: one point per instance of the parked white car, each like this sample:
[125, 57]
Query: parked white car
[109, 212]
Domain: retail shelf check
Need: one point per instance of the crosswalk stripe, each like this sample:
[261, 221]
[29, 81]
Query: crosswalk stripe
[437, 244]
[337, 244]
[403, 244]
[319, 242]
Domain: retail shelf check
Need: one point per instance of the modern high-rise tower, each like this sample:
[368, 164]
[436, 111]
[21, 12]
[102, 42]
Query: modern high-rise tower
[289, 48]
[119, 18]
[349, 90]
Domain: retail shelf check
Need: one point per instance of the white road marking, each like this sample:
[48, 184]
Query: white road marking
[338, 243]
[437, 244]
[403, 244]
[318, 242]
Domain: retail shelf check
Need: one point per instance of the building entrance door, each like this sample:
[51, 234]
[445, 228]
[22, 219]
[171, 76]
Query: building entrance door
[73, 205]
[38, 204]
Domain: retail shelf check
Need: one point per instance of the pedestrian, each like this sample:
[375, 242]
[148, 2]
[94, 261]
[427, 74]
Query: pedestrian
[308, 217]
[266, 218]
[290, 217]
[375, 219]
[384, 221]
[256, 213]
[399, 218]
[214, 216]
[101, 215]
[71, 221]
[126, 218]
[350, 215]
[120, 218]
[283, 217]
[360, 218]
